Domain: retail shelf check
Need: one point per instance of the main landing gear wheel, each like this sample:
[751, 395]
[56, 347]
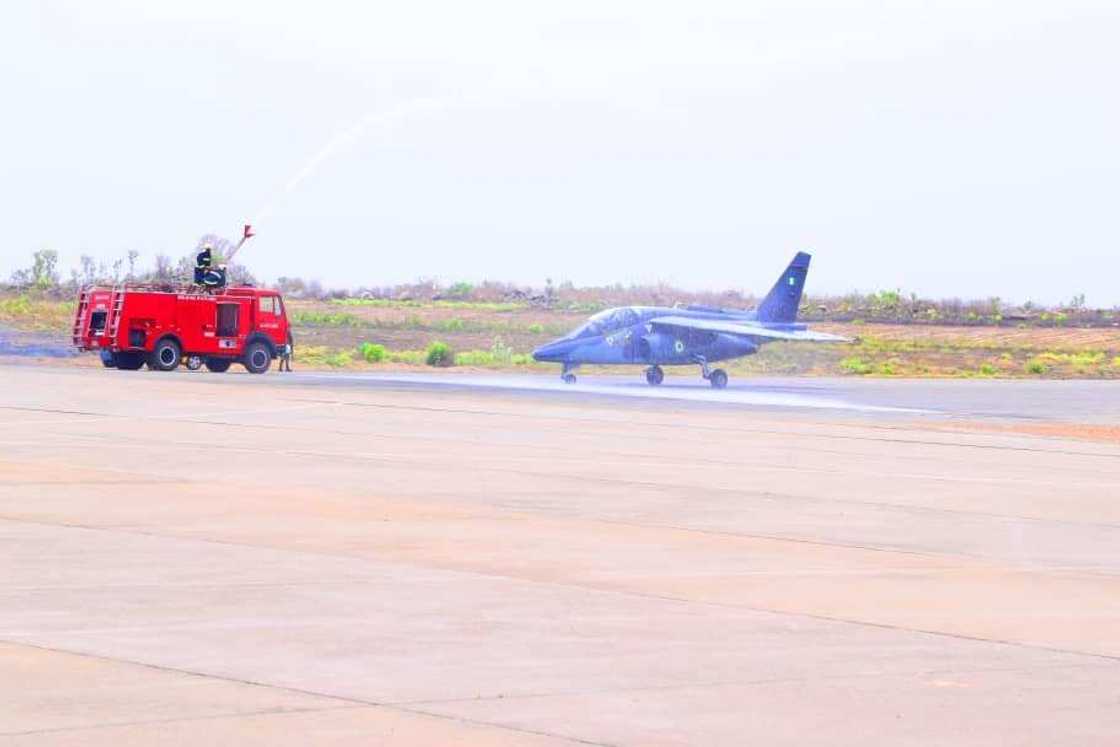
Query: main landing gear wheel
[568, 378]
[194, 362]
[166, 356]
[654, 375]
[718, 379]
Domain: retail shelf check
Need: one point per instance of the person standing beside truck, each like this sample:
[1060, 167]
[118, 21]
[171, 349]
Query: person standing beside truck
[286, 356]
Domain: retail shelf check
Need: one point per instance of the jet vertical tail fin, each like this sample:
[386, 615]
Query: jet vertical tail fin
[783, 300]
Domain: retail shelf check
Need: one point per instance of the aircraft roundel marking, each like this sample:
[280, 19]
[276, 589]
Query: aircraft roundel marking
[678, 345]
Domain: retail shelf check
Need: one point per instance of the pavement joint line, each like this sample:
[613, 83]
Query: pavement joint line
[826, 543]
[475, 442]
[84, 483]
[765, 494]
[136, 529]
[498, 444]
[404, 459]
[132, 416]
[1088, 570]
[676, 426]
[612, 590]
[279, 711]
[763, 432]
[754, 683]
[774, 537]
[354, 701]
[359, 580]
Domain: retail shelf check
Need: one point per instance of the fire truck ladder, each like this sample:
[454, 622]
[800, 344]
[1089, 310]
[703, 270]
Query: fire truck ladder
[80, 319]
[114, 320]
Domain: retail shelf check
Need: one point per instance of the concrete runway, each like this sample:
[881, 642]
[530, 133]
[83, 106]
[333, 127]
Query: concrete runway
[195, 558]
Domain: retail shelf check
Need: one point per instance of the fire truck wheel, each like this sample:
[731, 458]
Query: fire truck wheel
[129, 361]
[218, 365]
[166, 355]
[257, 357]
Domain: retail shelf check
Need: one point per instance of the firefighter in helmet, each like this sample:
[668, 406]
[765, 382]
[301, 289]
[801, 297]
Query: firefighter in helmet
[204, 273]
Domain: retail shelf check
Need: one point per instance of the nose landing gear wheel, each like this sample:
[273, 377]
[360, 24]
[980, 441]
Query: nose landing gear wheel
[654, 375]
[568, 378]
[718, 379]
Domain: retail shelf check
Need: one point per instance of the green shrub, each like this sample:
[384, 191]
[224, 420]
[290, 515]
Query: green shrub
[855, 365]
[1035, 366]
[372, 352]
[987, 369]
[536, 329]
[454, 325]
[439, 354]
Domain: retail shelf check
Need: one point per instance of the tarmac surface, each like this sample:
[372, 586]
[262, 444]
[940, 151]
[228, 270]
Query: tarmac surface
[351, 560]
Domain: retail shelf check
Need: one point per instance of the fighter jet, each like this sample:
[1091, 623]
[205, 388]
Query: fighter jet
[686, 335]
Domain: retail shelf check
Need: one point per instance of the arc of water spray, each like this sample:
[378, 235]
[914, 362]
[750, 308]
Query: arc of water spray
[350, 135]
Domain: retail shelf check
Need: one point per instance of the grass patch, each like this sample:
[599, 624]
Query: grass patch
[410, 357]
[856, 365]
[325, 319]
[28, 311]
[500, 307]
[16, 307]
[312, 355]
[499, 355]
[888, 368]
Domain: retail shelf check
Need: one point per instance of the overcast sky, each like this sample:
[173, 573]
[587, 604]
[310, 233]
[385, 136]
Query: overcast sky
[952, 149]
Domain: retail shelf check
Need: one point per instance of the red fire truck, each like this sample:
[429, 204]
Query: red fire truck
[165, 326]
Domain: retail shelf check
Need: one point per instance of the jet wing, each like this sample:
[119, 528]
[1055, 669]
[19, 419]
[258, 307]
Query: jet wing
[744, 328]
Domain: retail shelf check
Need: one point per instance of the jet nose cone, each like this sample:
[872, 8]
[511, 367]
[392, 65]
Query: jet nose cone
[553, 352]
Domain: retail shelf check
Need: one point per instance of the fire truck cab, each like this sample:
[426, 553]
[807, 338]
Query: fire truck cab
[165, 326]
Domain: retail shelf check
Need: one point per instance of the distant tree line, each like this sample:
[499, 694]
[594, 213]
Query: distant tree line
[43, 273]
[888, 306]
